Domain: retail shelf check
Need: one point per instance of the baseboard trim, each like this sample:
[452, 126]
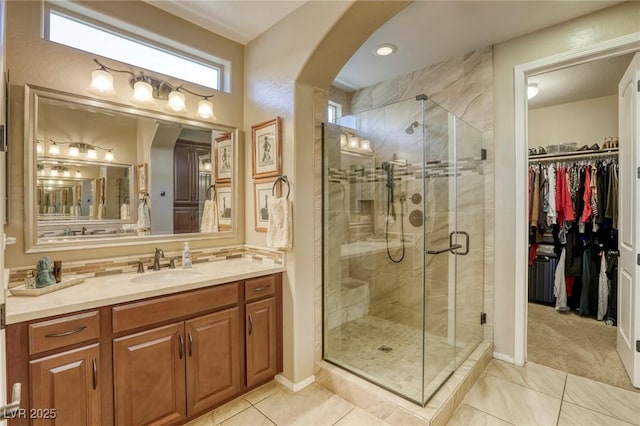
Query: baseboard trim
[295, 387]
[505, 358]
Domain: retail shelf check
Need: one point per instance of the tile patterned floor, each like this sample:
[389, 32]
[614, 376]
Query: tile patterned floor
[538, 395]
[355, 345]
[505, 394]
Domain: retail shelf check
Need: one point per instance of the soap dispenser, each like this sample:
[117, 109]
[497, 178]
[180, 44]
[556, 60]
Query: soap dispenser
[186, 256]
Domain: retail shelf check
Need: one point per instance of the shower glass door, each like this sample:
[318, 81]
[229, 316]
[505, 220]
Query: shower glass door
[397, 308]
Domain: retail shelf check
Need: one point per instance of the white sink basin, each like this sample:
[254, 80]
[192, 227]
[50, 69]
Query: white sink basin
[167, 276]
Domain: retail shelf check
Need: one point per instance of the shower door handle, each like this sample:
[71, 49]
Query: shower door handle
[453, 247]
[466, 242]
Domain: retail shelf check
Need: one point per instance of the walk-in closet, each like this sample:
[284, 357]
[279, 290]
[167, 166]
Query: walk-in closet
[573, 181]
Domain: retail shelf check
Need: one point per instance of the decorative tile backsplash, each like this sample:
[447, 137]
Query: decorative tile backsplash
[129, 264]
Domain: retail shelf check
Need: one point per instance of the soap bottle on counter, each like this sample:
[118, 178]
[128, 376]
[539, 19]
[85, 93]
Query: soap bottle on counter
[186, 256]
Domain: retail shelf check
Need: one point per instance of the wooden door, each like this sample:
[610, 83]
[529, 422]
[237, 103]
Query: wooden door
[183, 179]
[185, 220]
[149, 376]
[69, 383]
[262, 362]
[213, 359]
[628, 340]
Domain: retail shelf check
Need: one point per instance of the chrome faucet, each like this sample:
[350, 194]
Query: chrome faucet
[156, 259]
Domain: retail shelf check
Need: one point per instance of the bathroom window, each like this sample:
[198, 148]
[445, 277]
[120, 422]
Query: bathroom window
[334, 111]
[113, 41]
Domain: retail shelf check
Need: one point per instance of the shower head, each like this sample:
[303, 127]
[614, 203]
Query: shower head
[412, 126]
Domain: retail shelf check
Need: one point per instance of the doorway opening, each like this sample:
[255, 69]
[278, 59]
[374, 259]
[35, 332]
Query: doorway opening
[571, 300]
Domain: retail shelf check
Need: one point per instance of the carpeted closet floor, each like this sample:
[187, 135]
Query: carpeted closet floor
[578, 345]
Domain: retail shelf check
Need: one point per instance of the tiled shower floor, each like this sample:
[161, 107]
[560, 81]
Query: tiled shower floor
[356, 346]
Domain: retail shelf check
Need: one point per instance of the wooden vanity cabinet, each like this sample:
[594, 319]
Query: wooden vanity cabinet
[65, 388]
[158, 361]
[149, 376]
[263, 325]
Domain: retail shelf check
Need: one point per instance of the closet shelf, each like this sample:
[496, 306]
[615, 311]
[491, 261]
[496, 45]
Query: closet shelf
[574, 154]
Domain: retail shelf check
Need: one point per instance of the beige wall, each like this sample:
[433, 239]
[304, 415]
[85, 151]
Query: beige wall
[288, 69]
[604, 25]
[35, 61]
[585, 122]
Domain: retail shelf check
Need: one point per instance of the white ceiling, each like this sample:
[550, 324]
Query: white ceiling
[425, 32]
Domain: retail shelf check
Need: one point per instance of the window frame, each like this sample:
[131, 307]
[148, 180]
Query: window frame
[122, 29]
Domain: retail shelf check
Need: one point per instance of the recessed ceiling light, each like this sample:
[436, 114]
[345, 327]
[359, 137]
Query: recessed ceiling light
[385, 49]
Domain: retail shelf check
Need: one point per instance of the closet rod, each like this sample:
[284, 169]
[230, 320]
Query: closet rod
[575, 154]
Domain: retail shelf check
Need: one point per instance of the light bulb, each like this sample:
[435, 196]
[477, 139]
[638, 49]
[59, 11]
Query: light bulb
[39, 148]
[176, 102]
[343, 141]
[92, 153]
[78, 174]
[207, 165]
[54, 172]
[101, 83]
[365, 145]
[54, 149]
[142, 93]
[109, 155]
[73, 151]
[66, 173]
[354, 142]
[205, 109]
[60, 182]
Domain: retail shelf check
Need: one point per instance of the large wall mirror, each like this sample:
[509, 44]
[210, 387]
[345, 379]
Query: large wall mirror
[102, 173]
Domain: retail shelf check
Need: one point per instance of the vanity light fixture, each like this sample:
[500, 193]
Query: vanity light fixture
[77, 148]
[354, 143]
[78, 174]
[66, 172]
[39, 147]
[54, 149]
[147, 89]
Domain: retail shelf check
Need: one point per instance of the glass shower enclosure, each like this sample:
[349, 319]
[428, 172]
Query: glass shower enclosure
[403, 213]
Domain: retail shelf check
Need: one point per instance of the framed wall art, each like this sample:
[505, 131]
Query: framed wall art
[225, 206]
[223, 159]
[262, 192]
[142, 175]
[266, 152]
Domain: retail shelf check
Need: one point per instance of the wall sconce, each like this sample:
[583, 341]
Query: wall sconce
[147, 89]
[77, 148]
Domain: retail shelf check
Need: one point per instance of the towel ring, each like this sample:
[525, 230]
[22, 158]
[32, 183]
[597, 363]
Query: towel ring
[209, 192]
[145, 197]
[284, 179]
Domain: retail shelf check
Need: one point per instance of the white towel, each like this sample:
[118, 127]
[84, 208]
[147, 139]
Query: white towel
[100, 211]
[91, 210]
[125, 212]
[209, 221]
[279, 228]
[144, 219]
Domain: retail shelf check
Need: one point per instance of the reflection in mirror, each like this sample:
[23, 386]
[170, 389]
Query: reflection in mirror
[86, 158]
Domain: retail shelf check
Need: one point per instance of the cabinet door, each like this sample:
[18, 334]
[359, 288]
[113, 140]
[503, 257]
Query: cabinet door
[213, 359]
[183, 179]
[69, 384]
[262, 363]
[149, 376]
[185, 220]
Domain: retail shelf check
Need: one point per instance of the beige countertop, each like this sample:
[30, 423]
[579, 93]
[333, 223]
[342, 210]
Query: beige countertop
[114, 289]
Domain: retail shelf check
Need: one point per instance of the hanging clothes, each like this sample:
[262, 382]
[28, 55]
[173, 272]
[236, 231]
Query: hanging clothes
[559, 286]
[603, 288]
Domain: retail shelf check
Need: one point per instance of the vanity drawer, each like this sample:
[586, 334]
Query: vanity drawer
[150, 312]
[256, 288]
[60, 332]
